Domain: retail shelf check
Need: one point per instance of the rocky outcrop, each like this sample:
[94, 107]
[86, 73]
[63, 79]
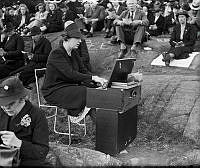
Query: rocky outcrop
[68, 156]
[191, 157]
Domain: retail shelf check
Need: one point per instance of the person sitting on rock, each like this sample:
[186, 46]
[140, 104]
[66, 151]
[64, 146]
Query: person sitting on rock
[41, 48]
[11, 56]
[22, 19]
[9, 16]
[156, 22]
[94, 21]
[182, 39]
[54, 21]
[22, 125]
[170, 14]
[66, 77]
[194, 14]
[39, 19]
[119, 8]
[131, 23]
[108, 22]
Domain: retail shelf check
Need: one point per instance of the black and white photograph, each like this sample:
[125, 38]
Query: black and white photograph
[99, 83]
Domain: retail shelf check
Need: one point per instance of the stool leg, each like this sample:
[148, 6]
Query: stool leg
[85, 128]
[69, 129]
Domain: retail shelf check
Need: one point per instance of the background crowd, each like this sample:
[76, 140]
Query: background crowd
[115, 18]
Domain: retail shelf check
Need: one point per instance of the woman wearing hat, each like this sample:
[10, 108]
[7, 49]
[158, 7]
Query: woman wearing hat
[66, 76]
[182, 39]
[11, 53]
[22, 125]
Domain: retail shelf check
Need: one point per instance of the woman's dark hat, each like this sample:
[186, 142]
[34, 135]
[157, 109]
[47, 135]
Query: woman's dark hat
[71, 30]
[35, 31]
[11, 90]
[183, 12]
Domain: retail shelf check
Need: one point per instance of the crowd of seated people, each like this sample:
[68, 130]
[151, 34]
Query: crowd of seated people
[124, 23]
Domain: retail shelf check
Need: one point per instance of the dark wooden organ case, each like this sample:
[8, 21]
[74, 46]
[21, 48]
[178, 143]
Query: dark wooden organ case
[116, 117]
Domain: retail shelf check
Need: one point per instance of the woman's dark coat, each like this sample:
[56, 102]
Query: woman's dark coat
[84, 54]
[35, 138]
[159, 23]
[54, 21]
[63, 81]
[41, 53]
[189, 38]
[18, 19]
[14, 57]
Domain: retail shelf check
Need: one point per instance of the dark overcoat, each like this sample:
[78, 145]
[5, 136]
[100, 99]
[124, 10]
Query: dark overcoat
[54, 21]
[14, 57]
[84, 54]
[35, 138]
[18, 19]
[189, 38]
[63, 81]
[41, 52]
[159, 23]
[120, 9]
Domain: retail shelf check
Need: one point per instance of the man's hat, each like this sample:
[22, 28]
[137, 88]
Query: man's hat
[183, 12]
[11, 90]
[195, 5]
[71, 30]
[35, 31]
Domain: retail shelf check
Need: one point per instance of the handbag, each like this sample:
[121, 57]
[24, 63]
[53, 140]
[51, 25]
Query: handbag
[9, 156]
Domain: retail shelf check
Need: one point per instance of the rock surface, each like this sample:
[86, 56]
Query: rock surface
[68, 156]
[191, 157]
[173, 100]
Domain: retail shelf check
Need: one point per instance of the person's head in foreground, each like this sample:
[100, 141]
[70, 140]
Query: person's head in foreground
[22, 125]
[12, 96]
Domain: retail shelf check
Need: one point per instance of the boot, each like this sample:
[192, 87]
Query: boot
[166, 58]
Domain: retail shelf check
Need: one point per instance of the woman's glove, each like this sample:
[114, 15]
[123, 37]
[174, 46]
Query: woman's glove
[9, 138]
[97, 79]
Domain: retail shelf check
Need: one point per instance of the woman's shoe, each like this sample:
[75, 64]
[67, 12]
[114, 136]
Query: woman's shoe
[84, 32]
[80, 117]
[166, 58]
[122, 53]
